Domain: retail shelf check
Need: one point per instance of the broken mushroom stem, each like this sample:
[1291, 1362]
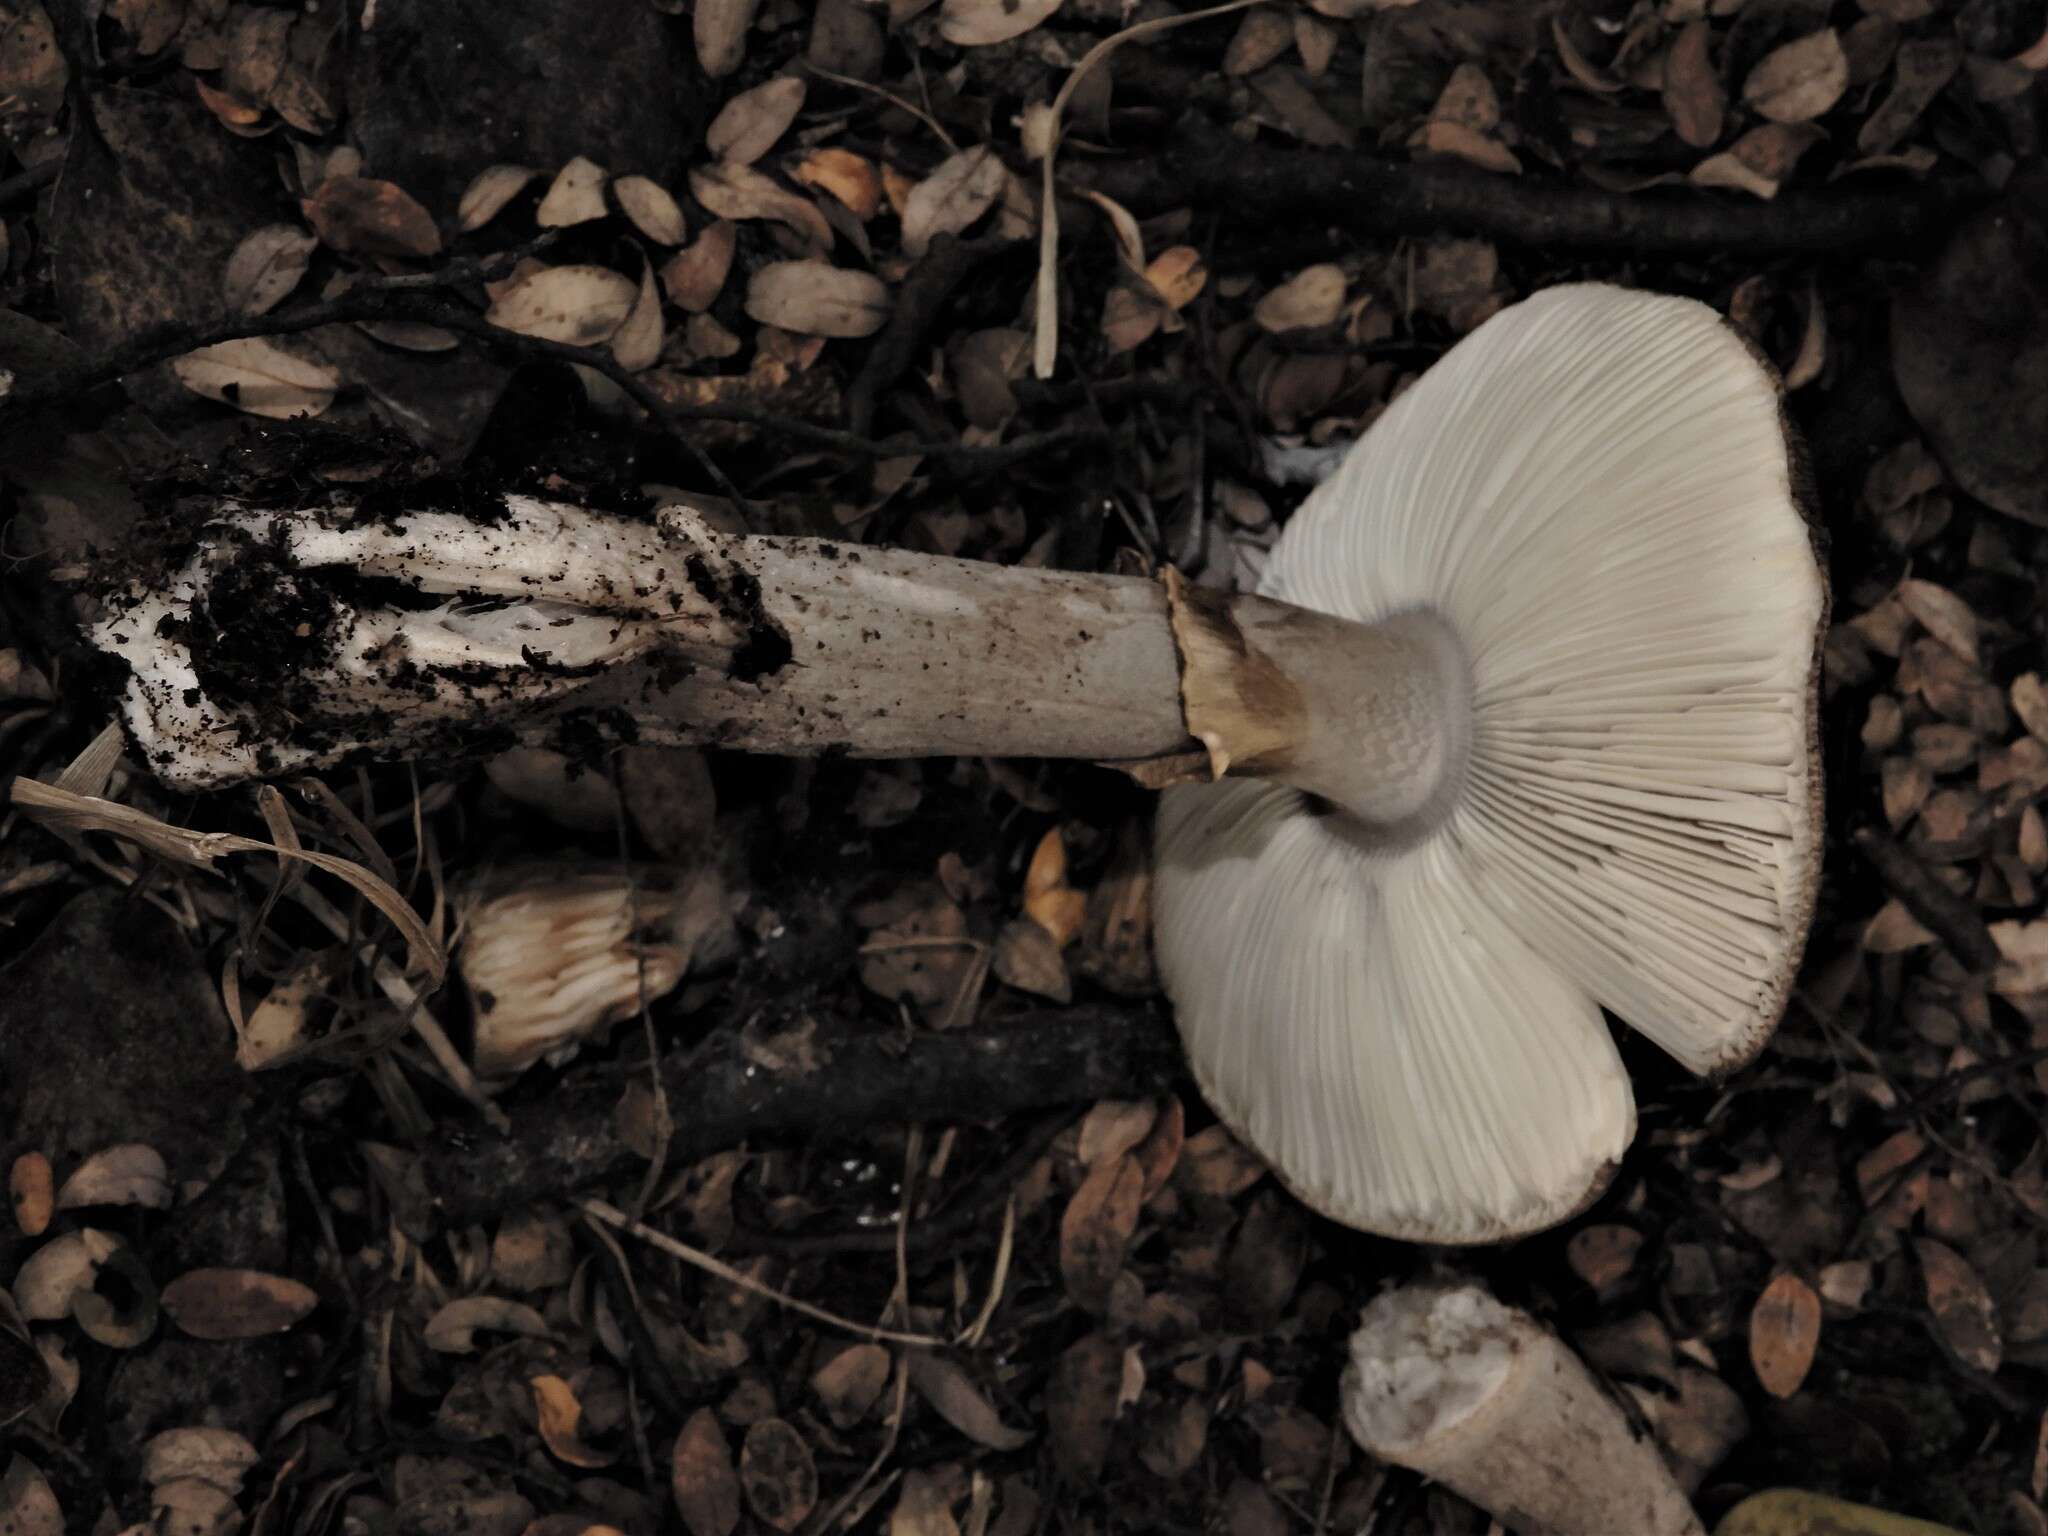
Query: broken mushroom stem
[293, 639]
[1484, 1399]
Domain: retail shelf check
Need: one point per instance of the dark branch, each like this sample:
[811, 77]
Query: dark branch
[1262, 186]
[843, 1081]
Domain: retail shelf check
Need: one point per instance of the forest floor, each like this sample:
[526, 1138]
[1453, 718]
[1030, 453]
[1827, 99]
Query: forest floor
[772, 1253]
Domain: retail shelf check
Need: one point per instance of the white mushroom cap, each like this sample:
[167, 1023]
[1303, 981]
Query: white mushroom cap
[1595, 493]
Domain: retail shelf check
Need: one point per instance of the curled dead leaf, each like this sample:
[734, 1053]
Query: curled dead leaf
[637, 343]
[848, 177]
[1309, 300]
[719, 28]
[453, 1329]
[956, 1399]
[560, 1413]
[130, 1174]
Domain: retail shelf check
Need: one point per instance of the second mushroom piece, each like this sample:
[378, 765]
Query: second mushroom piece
[1520, 725]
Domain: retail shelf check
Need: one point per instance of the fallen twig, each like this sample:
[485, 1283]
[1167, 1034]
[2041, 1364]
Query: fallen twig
[1951, 918]
[730, 1090]
[1265, 186]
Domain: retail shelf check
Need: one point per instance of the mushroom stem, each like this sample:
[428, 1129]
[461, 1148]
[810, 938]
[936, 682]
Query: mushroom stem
[484, 627]
[1487, 1401]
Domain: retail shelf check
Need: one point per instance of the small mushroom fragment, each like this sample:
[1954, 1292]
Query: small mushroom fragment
[554, 957]
[1481, 1397]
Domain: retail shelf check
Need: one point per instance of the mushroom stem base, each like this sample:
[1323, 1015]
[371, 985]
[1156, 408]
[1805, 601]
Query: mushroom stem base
[1485, 1400]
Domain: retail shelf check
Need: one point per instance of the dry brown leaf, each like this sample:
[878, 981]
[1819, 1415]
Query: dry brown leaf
[266, 267]
[956, 1399]
[1894, 931]
[1309, 300]
[2030, 702]
[748, 126]
[1262, 37]
[696, 275]
[30, 1193]
[1160, 1152]
[1760, 161]
[702, 1480]
[777, 1472]
[259, 377]
[560, 1413]
[1962, 1308]
[1214, 1162]
[979, 23]
[1177, 275]
[28, 1507]
[488, 192]
[816, 298]
[1097, 1228]
[453, 1329]
[719, 28]
[1440, 140]
[129, 1174]
[366, 217]
[236, 1303]
[1799, 81]
[851, 179]
[958, 192]
[1906, 783]
[1692, 87]
[1603, 1255]
[1784, 1332]
[922, 1508]
[741, 192]
[230, 110]
[652, 210]
[850, 1382]
[1922, 70]
[1028, 958]
[55, 1273]
[575, 196]
[1114, 1127]
[1943, 615]
[637, 342]
[581, 305]
[1081, 1406]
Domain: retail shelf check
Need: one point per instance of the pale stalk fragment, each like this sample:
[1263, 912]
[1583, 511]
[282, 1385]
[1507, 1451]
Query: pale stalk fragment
[1487, 1401]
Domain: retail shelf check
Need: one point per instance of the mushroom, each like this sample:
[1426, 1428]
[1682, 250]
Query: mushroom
[1484, 1399]
[1520, 725]
[1586, 774]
